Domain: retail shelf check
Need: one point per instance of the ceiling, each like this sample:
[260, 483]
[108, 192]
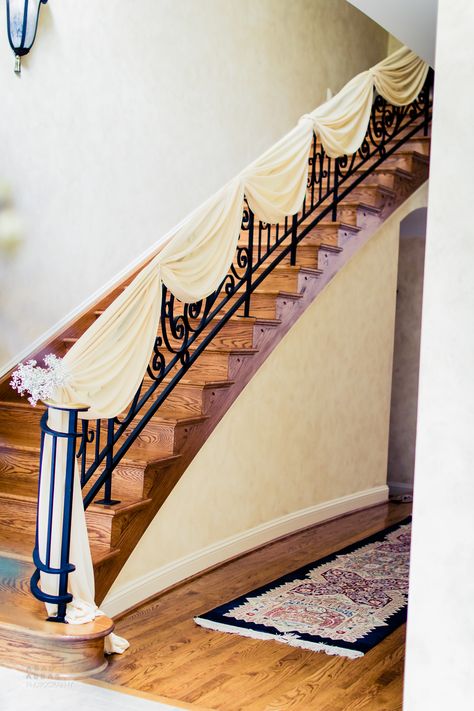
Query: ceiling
[413, 22]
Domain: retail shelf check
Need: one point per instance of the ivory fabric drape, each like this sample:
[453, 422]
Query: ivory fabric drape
[105, 366]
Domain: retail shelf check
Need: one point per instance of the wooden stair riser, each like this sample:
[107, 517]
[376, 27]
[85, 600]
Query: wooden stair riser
[213, 364]
[280, 280]
[19, 516]
[51, 657]
[400, 182]
[162, 437]
[19, 474]
[128, 481]
[372, 195]
[307, 255]
[20, 422]
[20, 469]
[417, 164]
[235, 333]
[326, 230]
[328, 235]
[418, 144]
[193, 398]
[260, 308]
[361, 216]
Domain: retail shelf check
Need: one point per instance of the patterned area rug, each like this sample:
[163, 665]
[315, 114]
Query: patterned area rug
[343, 604]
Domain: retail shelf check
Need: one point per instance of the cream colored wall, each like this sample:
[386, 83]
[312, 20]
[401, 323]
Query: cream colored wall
[311, 426]
[440, 653]
[393, 44]
[128, 115]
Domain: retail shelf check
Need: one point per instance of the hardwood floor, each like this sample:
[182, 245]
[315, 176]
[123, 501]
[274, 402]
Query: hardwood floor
[174, 659]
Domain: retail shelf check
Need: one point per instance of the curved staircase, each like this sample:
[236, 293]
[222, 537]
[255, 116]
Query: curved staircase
[159, 456]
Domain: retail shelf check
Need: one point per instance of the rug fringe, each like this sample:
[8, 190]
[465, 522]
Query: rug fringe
[289, 639]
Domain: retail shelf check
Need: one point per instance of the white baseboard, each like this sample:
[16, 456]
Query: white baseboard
[125, 596]
[400, 487]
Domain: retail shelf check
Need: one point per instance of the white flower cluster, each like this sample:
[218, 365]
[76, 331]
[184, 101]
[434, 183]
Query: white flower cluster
[39, 382]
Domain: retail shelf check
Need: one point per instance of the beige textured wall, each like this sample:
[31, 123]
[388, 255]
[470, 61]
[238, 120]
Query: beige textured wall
[130, 114]
[311, 426]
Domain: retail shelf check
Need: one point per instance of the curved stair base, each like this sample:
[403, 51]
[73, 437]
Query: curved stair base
[40, 648]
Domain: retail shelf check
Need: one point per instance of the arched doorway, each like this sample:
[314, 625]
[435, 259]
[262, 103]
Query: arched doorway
[406, 356]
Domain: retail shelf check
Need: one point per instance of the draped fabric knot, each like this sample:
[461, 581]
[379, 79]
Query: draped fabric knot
[306, 117]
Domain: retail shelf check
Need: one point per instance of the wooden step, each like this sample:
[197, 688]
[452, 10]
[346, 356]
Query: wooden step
[234, 333]
[420, 144]
[132, 478]
[286, 278]
[18, 517]
[307, 254]
[326, 231]
[372, 194]
[30, 643]
[194, 398]
[224, 305]
[357, 213]
[413, 162]
[390, 176]
[21, 547]
[265, 303]
[216, 364]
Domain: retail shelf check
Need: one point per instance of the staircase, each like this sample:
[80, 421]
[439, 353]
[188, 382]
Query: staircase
[161, 452]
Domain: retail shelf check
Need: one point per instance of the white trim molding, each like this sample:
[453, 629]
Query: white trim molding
[123, 597]
[400, 487]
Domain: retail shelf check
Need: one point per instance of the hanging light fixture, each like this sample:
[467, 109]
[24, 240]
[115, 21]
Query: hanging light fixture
[22, 22]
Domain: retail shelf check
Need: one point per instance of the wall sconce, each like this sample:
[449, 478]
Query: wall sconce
[22, 22]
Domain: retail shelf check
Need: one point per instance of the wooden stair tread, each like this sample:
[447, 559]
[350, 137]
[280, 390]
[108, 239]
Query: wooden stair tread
[199, 383]
[341, 226]
[360, 205]
[373, 186]
[21, 548]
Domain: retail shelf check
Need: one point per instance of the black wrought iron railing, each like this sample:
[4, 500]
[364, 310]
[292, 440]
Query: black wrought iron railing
[186, 330]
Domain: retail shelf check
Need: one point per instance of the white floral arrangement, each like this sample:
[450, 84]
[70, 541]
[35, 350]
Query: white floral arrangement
[39, 382]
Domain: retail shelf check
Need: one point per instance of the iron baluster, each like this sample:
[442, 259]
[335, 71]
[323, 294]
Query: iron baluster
[335, 190]
[248, 277]
[427, 90]
[108, 500]
[294, 239]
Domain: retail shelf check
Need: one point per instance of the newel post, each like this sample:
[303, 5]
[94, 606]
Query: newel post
[59, 433]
